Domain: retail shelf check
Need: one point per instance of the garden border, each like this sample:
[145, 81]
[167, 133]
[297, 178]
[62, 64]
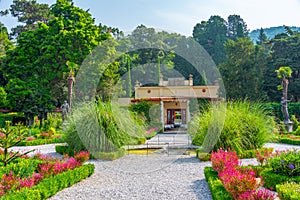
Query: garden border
[50, 186]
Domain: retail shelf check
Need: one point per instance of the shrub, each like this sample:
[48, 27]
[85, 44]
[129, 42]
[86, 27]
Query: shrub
[260, 194]
[289, 141]
[110, 155]
[246, 126]
[238, 181]
[272, 179]
[9, 137]
[297, 131]
[216, 187]
[52, 185]
[222, 160]
[287, 163]
[288, 191]
[41, 141]
[82, 156]
[63, 149]
[263, 155]
[100, 127]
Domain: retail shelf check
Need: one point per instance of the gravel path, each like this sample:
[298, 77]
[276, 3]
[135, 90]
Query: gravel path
[144, 177]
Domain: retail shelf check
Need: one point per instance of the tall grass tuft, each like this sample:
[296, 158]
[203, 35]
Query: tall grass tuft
[101, 127]
[240, 125]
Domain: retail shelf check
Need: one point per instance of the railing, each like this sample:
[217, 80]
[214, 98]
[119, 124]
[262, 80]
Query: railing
[164, 145]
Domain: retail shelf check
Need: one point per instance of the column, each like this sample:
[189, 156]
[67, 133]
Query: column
[162, 114]
[188, 111]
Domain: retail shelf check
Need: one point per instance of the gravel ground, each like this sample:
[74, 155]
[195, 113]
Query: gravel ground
[144, 177]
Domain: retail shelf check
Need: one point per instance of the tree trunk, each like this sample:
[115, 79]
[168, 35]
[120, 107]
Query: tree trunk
[71, 81]
[285, 83]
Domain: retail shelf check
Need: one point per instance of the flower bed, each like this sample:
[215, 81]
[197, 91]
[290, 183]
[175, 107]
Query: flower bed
[64, 149]
[50, 186]
[41, 141]
[25, 173]
[241, 183]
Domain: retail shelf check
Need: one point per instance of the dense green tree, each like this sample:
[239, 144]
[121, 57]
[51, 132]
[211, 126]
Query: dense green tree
[212, 36]
[5, 45]
[284, 52]
[28, 13]
[237, 27]
[41, 55]
[262, 37]
[243, 73]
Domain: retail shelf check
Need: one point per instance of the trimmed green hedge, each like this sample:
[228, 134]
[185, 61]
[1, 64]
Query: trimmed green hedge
[289, 141]
[289, 191]
[50, 186]
[109, 155]
[245, 154]
[271, 179]
[41, 142]
[63, 149]
[216, 187]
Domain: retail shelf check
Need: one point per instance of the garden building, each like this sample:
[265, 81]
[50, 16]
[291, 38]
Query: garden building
[174, 96]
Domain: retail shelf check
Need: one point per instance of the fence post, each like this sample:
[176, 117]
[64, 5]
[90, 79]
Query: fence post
[147, 148]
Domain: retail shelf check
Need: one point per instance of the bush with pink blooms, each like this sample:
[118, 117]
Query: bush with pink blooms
[260, 194]
[223, 160]
[237, 181]
[27, 172]
[241, 183]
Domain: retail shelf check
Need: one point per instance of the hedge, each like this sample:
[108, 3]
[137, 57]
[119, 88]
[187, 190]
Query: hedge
[245, 154]
[216, 187]
[109, 155]
[288, 191]
[271, 179]
[50, 186]
[64, 149]
[41, 142]
[289, 141]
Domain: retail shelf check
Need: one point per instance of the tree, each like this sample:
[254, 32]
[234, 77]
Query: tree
[243, 73]
[284, 73]
[5, 45]
[237, 27]
[284, 51]
[212, 36]
[41, 55]
[262, 38]
[28, 13]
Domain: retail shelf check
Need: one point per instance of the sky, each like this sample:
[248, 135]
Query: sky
[181, 16]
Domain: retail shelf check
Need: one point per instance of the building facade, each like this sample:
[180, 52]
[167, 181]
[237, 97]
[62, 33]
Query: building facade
[174, 96]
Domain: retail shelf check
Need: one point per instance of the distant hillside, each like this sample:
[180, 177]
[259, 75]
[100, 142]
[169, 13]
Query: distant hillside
[271, 32]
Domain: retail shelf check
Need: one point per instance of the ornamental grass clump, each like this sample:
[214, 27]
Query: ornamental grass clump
[239, 125]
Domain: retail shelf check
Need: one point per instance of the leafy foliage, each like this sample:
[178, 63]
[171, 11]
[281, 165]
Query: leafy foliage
[247, 126]
[101, 127]
[9, 137]
[286, 163]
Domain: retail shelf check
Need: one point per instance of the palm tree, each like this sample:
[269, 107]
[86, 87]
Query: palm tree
[284, 73]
